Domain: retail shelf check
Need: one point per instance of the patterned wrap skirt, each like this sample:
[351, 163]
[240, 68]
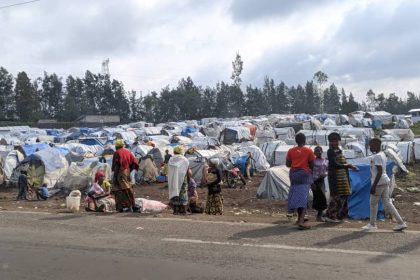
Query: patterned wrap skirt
[300, 183]
[214, 204]
[123, 192]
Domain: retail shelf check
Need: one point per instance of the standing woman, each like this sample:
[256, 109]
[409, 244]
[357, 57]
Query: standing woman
[300, 160]
[338, 180]
[214, 204]
[319, 174]
[177, 182]
[123, 162]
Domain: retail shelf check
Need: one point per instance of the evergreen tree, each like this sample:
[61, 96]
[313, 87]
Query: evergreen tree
[121, 106]
[27, 103]
[282, 101]
[208, 103]
[73, 106]
[7, 98]
[222, 100]
[352, 105]
[91, 93]
[151, 107]
[331, 100]
[51, 96]
[344, 102]
[312, 101]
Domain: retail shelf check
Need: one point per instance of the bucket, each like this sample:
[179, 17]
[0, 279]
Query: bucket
[73, 201]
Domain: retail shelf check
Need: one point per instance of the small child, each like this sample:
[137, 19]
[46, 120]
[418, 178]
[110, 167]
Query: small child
[319, 174]
[380, 187]
[42, 192]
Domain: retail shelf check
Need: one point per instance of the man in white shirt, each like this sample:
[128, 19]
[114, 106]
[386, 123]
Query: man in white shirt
[380, 187]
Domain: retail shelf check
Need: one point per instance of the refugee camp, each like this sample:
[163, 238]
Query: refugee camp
[236, 139]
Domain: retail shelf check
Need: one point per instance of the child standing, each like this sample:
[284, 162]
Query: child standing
[319, 174]
[380, 187]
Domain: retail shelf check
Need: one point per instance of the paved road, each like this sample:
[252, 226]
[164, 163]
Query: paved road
[66, 246]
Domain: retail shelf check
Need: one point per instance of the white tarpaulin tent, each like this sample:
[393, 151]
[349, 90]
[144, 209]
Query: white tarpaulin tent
[403, 134]
[283, 133]
[275, 184]
[12, 160]
[261, 163]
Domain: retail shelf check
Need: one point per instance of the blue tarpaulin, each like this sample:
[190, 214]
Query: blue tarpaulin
[358, 203]
[189, 130]
[30, 149]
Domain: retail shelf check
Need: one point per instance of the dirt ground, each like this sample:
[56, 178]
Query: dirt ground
[240, 204]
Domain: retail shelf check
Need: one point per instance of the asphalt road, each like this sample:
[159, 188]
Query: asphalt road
[67, 246]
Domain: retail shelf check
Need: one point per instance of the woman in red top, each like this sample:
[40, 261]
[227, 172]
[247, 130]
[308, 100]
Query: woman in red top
[300, 160]
[123, 162]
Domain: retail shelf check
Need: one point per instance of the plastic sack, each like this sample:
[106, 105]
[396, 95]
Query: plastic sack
[150, 206]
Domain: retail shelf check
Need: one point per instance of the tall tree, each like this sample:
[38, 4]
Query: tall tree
[352, 105]
[312, 100]
[282, 101]
[27, 103]
[208, 103]
[321, 78]
[371, 100]
[7, 98]
[331, 100]
[51, 95]
[237, 66]
[151, 107]
[344, 102]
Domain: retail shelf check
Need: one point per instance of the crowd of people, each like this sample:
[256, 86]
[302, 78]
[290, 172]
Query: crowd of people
[308, 170]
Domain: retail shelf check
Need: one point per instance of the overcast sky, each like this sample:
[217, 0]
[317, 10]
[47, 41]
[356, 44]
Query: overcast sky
[152, 43]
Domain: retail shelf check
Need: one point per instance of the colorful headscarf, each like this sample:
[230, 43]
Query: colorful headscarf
[119, 143]
[178, 150]
[98, 175]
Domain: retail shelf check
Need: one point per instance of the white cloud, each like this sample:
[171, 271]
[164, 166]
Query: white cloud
[153, 43]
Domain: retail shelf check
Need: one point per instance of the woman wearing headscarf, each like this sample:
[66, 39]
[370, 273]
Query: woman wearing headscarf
[123, 162]
[338, 180]
[99, 196]
[214, 204]
[177, 182]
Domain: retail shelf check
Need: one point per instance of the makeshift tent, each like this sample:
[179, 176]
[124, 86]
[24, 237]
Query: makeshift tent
[236, 134]
[260, 161]
[403, 134]
[384, 117]
[404, 149]
[358, 148]
[11, 160]
[284, 133]
[46, 166]
[275, 184]
[80, 175]
[140, 151]
[416, 144]
[30, 149]
[197, 166]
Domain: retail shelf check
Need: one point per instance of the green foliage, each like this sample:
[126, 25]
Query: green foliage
[7, 96]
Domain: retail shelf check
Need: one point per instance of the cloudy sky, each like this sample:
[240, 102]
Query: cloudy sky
[152, 43]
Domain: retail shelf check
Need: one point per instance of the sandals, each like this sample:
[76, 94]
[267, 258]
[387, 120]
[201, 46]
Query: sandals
[303, 227]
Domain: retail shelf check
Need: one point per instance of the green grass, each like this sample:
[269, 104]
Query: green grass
[416, 129]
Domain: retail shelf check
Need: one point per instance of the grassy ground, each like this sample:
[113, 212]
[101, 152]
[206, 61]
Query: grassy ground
[416, 129]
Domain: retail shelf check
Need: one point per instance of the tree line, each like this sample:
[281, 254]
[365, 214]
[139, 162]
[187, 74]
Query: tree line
[52, 97]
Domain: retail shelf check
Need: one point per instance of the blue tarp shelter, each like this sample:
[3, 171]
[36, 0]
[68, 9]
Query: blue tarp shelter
[31, 149]
[358, 202]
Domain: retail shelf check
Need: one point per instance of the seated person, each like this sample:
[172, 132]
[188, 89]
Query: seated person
[99, 198]
[42, 192]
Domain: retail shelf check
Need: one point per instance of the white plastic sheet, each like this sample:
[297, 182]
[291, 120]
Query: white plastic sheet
[177, 169]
